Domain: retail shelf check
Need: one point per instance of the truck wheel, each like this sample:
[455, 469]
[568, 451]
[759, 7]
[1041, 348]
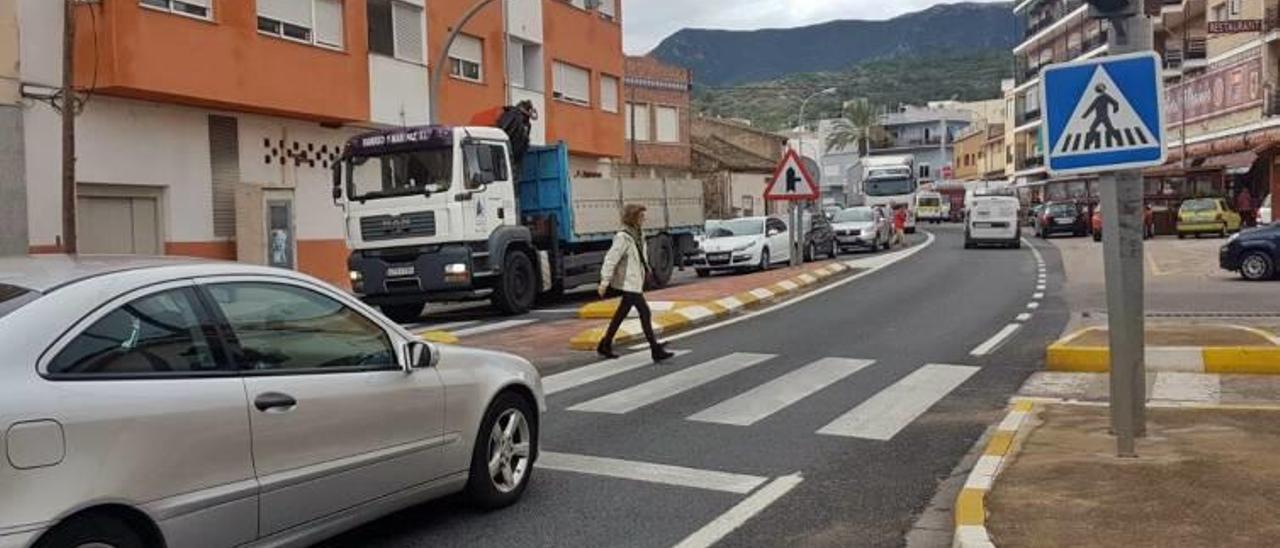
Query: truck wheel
[517, 288]
[403, 313]
[662, 259]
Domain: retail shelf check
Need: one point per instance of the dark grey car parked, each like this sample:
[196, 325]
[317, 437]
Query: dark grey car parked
[819, 238]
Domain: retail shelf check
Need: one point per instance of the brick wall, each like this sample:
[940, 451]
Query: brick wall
[655, 84]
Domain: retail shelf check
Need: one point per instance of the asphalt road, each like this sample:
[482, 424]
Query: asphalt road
[829, 422]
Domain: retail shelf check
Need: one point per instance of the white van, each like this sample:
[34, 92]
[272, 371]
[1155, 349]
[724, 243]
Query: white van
[929, 207]
[993, 220]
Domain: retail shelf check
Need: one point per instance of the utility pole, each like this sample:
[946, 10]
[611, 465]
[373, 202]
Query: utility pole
[68, 128]
[1122, 252]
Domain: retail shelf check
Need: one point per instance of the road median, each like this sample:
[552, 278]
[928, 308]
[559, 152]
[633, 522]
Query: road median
[1175, 348]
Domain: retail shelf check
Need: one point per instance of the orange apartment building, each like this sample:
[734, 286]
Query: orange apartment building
[212, 125]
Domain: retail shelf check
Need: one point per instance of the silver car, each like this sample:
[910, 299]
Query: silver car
[862, 227]
[152, 402]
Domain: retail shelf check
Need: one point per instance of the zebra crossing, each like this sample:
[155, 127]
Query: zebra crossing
[879, 417]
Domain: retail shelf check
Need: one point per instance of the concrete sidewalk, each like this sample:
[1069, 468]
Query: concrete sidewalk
[1205, 348]
[1205, 476]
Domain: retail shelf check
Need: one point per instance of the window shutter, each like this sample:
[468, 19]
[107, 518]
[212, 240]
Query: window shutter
[515, 64]
[408, 30]
[608, 94]
[572, 83]
[607, 8]
[468, 48]
[297, 12]
[201, 3]
[224, 156]
[329, 22]
[639, 115]
[668, 122]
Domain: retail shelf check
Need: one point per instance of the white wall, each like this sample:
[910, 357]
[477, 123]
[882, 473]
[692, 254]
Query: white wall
[524, 19]
[397, 92]
[40, 41]
[753, 184]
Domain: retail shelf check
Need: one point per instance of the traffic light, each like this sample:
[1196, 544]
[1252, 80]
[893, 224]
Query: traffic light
[1112, 9]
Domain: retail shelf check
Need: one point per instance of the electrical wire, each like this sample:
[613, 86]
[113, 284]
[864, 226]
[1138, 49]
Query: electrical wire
[93, 83]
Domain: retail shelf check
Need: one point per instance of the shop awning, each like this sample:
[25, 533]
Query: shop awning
[1236, 163]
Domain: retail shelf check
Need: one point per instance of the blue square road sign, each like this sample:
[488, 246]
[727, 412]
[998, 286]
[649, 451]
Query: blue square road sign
[1103, 114]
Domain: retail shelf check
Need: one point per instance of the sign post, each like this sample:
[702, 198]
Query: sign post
[792, 182]
[1106, 116]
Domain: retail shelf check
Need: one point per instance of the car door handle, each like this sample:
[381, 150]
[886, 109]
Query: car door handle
[274, 400]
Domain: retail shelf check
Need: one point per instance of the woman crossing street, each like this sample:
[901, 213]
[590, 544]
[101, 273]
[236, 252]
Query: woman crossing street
[625, 269]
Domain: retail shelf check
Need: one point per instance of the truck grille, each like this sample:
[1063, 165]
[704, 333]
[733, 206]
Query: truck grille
[390, 227]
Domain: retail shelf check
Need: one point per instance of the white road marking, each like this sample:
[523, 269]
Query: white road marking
[661, 388]
[650, 472]
[996, 340]
[1033, 305]
[1038, 296]
[1040, 287]
[984, 472]
[713, 532]
[1024, 316]
[1187, 387]
[509, 324]
[758, 403]
[885, 414]
[892, 258]
[597, 371]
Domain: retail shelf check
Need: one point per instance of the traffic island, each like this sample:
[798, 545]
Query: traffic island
[1175, 348]
[1203, 477]
[671, 316]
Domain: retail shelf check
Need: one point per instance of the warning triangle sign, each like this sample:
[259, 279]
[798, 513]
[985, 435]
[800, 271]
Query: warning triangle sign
[791, 181]
[1103, 121]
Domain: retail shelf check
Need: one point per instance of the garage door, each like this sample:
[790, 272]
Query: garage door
[129, 225]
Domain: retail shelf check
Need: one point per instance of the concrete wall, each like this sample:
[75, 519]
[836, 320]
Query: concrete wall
[13, 187]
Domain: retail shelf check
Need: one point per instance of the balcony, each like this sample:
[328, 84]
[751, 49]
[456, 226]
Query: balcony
[1025, 163]
[1193, 53]
[1026, 71]
[1028, 117]
[1046, 17]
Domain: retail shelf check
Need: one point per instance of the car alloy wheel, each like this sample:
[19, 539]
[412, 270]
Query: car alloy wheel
[509, 450]
[1257, 266]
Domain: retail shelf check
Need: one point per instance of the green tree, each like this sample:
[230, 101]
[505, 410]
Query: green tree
[856, 128]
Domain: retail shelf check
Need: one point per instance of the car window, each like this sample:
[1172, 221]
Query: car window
[1199, 205]
[162, 333]
[281, 327]
[777, 224]
[12, 297]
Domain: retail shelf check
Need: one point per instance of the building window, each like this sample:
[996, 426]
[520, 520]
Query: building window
[524, 65]
[193, 8]
[608, 93]
[1235, 6]
[1220, 12]
[316, 22]
[572, 84]
[637, 123]
[668, 121]
[466, 58]
[924, 171]
[608, 9]
[395, 29]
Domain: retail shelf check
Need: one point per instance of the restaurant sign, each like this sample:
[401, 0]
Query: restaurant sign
[1219, 91]
[1235, 26]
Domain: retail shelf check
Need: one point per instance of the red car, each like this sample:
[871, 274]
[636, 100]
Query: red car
[1148, 223]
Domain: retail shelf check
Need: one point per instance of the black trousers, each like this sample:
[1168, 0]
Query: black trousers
[630, 300]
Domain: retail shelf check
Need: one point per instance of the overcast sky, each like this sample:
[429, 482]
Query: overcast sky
[647, 22]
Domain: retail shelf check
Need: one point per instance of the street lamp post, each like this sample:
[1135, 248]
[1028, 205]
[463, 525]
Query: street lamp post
[433, 94]
[797, 254]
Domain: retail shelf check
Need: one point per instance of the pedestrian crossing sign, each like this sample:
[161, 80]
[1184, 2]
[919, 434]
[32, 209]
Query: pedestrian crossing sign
[1103, 114]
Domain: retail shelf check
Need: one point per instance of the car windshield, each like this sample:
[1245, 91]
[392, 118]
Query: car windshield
[402, 174]
[1062, 210]
[1194, 206]
[928, 201]
[12, 297]
[855, 215]
[734, 227]
[889, 186]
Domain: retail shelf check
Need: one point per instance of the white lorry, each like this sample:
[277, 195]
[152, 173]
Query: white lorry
[436, 214]
[891, 181]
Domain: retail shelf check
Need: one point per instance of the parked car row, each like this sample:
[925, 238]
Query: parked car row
[759, 243]
[1195, 217]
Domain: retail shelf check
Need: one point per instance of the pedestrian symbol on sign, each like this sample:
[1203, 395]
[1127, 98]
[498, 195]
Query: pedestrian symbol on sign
[1103, 114]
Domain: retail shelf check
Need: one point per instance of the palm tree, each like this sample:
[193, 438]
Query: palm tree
[859, 124]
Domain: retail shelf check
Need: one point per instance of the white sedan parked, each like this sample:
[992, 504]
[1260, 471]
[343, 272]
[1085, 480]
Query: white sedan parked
[151, 402]
[749, 243]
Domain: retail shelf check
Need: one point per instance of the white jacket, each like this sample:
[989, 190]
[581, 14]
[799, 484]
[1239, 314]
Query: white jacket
[623, 267]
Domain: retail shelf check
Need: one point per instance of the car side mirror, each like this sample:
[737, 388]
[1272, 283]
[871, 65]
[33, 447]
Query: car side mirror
[417, 355]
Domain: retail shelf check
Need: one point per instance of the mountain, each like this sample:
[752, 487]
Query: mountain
[721, 57]
[773, 105]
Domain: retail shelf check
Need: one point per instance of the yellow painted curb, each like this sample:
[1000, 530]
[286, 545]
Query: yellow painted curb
[1092, 359]
[441, 337]
[970, 507]
[599, 309]
[1242, 360]
[999, 444]
[587, 340]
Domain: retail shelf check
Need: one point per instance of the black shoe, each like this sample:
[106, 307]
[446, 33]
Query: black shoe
[662, 355]
[606, 353]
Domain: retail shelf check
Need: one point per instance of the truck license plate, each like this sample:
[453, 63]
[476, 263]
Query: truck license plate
[401, 271]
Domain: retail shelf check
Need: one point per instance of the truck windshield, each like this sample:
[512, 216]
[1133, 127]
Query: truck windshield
[736, 227]
[889, 186]
[400, 174]
[927, 201]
